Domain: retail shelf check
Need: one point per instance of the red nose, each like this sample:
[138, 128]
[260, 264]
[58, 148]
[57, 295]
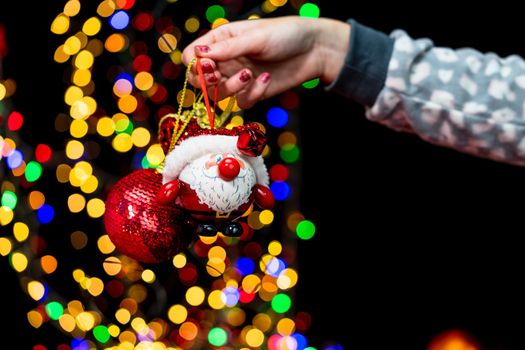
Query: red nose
[229, 168]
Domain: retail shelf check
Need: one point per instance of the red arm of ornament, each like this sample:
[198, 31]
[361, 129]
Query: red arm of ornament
[168, 192]
[264, 197]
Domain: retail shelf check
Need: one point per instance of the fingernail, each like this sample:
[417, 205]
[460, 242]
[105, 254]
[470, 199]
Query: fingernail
[207, 67]
[244, 76]
[265, 77]
[211, 78]
[202, 48]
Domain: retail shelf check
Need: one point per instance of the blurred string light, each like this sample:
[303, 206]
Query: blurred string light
[248, 277]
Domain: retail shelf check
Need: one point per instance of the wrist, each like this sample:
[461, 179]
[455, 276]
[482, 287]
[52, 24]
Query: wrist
[332, 43]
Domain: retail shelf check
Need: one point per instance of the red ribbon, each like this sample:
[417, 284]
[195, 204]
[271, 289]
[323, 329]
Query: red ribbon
[205, 94]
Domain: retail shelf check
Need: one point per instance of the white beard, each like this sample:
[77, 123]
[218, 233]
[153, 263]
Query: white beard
[221, 196]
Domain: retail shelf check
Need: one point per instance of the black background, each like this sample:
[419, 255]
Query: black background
[412, 240]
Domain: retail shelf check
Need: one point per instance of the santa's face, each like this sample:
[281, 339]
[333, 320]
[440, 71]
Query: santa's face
[222, 195]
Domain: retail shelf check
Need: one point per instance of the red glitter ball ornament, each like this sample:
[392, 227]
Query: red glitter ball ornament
[141, 227]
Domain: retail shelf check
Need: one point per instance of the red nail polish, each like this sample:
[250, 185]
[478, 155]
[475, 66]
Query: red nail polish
[244, 76]
[211, 78]
[265, 77]
[202, 48]
[207, 67]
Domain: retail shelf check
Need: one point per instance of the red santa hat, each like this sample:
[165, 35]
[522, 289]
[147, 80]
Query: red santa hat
[246, 141]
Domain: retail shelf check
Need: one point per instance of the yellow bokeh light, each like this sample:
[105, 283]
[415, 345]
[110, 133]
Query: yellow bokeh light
[114, 330]
[144, 81]
[72, 45]
[76, 203]
[138, 324]
[105, 245]
[79, 110]
[36, 290]
[167, 43]
[20, 231]
[112, 265]
[84, 60]
[78, 128]
[275, 248]
[60, 24]
[96, 286]
[72, 8]
[6, 215]
[236, 317]
[278, 3]
[215, 267]
[127, 339]
[217, 252]
[81, 77]
[35, 318]
[122, 142]
[215, 300]
[179, 260]
[262, 322]
[91, 26]
[73, 94]
[123, 316]
[287, 279]
[254, 337]
[106, 8]
[19, 261]
[219, 22]
[3, 91]
[5, 246]
[148, 276]
[95, 46]
[116, 42]
[253, 220]
[95, 207]
[48, 263]
[177, 314]
[266, 217]
[85, 321]
[140, 137]
[78, 275]
[105, 126]
[155, 154]
[127, 104]
[74, 149]
[176, 56]
[192, 24]
[251, 283]
[60, 55]
[90, 185]
[195, 295]
[189, 98]
[285, 326]
[62, 173]
[67, 322]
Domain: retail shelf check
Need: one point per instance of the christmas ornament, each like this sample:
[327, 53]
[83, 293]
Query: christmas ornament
[214, 174]
[209, 179]
[140, 226]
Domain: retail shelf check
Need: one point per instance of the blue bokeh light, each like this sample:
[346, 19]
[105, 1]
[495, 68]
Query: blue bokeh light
[15, 159]
[245, 266]
[277, 117]
[119, 20]
[280, 190]
[45, 214]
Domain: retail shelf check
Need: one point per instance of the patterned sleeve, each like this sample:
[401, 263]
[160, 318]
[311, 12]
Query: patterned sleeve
[462, 99]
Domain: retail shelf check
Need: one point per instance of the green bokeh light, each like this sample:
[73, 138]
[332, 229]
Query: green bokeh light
[123, 126]
[101, 333]
[33, 171]
[309, 10]
[305, 229]
[289, 153]
[281, 303]
[214, 12]
[310, 84]
[54, 310]
[217, 336]
[9, 200]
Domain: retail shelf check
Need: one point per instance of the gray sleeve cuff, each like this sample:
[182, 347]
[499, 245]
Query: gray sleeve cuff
[366, 64]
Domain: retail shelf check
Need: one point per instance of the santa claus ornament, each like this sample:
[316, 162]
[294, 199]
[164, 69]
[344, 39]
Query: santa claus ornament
[210, 177]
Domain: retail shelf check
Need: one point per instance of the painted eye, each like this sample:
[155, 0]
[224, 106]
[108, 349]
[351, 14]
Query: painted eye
[219, 158]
